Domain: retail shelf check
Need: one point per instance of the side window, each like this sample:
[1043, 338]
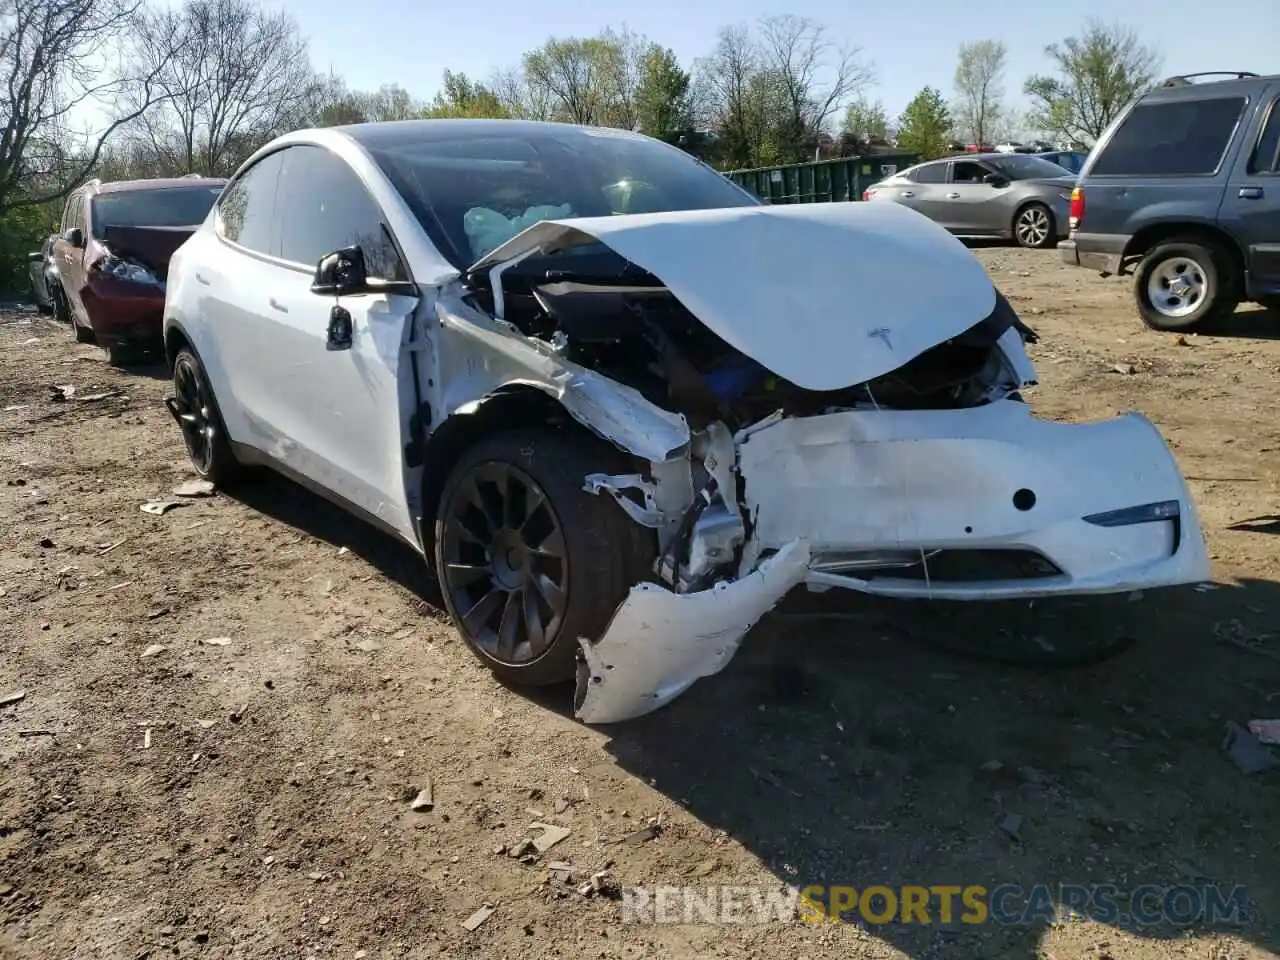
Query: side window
[966, 171]
[930, 173]
[324, 207]
[247, 207]
[1177, 138]
[1266, 155]
[68, 212]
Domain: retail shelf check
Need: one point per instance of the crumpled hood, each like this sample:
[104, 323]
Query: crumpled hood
[152, 246]
[826, 295]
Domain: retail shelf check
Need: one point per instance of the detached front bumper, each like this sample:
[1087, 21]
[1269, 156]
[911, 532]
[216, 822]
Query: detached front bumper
[854, 499]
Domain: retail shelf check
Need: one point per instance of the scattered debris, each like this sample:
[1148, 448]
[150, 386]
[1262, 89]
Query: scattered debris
[46, 543]
[474, 921]
[1011, 826]
[104, 395]
[59, 394]
[111, 546]
[206, 724]
[1182, 341]
[195, 488]
[425, 799]
[1245, 751]
[157, 613]
[36, 733]
[643, 835]
[1124, 368]
[343, 551]
[217, 641]
[146, 739]
[238, 715]
[560, 871]
[154, 650]
[1267, 731]
[520, 849]
[159, 508]
[368, 645]
[549, 837]
[773, 781]
[9, 699]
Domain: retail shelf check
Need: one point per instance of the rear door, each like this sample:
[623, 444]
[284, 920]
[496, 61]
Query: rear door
[1251, 204]
[919, 187]
[1165, 162]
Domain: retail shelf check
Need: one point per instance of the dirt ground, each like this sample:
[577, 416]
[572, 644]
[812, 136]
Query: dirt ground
[161, 794]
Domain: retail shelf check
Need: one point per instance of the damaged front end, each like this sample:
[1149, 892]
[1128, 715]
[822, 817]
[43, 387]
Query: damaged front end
[731, 376]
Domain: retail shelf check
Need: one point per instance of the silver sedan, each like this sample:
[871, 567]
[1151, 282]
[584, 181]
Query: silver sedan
[1007, 195]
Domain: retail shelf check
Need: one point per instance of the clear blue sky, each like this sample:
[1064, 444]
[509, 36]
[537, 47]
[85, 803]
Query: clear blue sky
[411, 42]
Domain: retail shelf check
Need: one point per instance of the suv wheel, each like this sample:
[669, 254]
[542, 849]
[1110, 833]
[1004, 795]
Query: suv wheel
[1182, 284]
[1034, 227]
[527, 560]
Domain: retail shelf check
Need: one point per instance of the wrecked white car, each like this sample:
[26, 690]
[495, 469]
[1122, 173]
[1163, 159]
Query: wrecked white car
[623, 408]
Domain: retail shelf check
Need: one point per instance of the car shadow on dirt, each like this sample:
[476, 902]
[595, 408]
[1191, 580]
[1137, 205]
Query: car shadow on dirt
[854, 752]
[289, 503]
[1250, 323]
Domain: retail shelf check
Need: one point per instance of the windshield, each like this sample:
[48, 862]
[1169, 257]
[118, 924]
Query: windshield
[162, 207]
[1019, 166]
[474, 191]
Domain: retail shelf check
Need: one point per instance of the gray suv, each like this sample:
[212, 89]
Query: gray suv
[1183, 192]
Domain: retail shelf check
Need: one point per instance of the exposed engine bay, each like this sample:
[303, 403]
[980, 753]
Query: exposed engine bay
[605, 313]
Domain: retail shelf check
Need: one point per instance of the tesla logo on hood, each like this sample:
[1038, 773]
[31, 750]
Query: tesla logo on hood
[881, 334]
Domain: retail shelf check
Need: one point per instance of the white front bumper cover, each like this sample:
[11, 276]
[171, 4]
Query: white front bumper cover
[1103, 503]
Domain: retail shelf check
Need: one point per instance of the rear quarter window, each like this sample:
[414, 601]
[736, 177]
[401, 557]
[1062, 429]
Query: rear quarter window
[1173, 138]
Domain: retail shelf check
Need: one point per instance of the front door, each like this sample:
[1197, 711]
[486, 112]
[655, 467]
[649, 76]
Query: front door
[971, 207]
[1251, 203]
[343, 398]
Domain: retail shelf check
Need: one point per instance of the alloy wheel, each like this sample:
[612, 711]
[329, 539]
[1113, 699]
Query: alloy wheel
[1177, 287]
[505, 562]
[1032, 227]
[195, 413]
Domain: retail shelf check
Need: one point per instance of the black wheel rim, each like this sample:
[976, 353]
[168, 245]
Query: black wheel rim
[505, 563]
[195, 413]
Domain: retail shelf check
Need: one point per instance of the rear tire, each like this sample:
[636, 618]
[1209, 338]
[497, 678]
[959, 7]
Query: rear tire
[523, 583]
[208, 445]
[1035, 228]
[1184, 283]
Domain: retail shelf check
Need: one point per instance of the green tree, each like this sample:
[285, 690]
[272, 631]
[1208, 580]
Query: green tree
[463, 97]
[865, 121]
[925, 126]
[663, 107]
[1098, 74]
[979, 82]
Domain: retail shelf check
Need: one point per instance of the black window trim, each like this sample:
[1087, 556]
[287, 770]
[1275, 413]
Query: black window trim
[226, 190]
[1272, 111]
[951, 171]
[377, 208]
[294, 265]
[1222, 157]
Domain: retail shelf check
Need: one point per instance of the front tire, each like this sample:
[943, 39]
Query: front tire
[1183, 284]
[208, 446]
[1034, 227]
[527, 560]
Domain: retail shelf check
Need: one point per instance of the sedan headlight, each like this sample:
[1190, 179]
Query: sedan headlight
[1128, 516]
[128, 271]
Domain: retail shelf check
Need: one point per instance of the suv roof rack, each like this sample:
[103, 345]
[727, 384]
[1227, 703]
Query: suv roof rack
[1185, 79]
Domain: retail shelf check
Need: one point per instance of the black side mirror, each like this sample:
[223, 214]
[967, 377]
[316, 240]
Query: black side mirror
[74, 236]
[36, 257]
[341, 273]
[995, 180]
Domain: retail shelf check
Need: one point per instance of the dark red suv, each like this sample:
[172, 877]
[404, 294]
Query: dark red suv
[113, 256]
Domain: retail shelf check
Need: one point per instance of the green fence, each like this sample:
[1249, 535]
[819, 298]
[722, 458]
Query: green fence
[822, 181]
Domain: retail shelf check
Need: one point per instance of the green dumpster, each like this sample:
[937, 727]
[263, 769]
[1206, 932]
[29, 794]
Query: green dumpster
[821, 181]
